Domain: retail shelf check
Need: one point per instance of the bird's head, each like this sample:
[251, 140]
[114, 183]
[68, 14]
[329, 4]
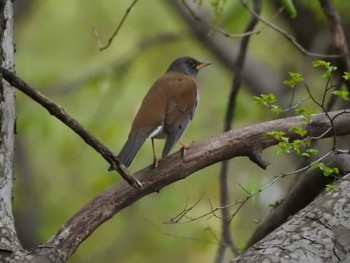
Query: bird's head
[187, 65]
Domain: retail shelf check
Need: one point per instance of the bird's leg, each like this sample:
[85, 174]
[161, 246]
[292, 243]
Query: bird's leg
[155, 159]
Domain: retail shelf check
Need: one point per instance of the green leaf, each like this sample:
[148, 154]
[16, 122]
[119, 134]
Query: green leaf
[321, 63]
[294, 79]
[306, 113]
[342, 93]
[312, 151]
[284, 147]
[346, 76]
[318, 165]
[275, 109]
[298, 130]
[325, 169]
[290, 8]
[276, 134]
[326, 65]
[331, 188]
[267, 100]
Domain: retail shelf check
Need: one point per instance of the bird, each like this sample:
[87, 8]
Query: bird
[166, 110]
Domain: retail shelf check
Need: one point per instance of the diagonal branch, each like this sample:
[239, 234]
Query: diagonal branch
[200, 155]
[59, 113]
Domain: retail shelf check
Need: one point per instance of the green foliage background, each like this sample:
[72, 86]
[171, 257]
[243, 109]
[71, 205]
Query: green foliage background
[57, 173]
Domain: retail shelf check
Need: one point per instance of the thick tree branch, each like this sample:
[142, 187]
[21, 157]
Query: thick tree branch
[59, 113]
[200, 155]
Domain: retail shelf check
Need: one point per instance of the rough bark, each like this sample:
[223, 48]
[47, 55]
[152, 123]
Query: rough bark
[318, 233]
[304, 191]
[8, 236]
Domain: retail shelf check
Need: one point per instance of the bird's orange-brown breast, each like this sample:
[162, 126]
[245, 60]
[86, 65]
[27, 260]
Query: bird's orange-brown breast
[182, 101]
[170, 99]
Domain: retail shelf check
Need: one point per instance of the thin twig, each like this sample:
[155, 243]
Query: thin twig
[180, 237]
[73, 124]
[326, 113]
[206, 215]
[183, 213]
[292, 107]
[309, 165]
[218, 29]
[117, 29]
[213, 210]
[290, 38]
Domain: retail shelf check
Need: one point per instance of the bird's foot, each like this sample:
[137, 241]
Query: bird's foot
[155, 162]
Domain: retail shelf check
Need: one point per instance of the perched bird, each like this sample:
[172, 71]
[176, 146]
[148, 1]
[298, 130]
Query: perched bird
[166, 110]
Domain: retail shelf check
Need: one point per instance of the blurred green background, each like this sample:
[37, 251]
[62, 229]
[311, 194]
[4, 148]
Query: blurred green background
[57, 173]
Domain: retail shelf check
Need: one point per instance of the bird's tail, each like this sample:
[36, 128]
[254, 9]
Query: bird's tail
[130, 149]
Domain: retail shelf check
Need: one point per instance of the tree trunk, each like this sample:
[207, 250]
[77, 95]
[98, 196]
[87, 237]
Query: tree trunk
[8, 237]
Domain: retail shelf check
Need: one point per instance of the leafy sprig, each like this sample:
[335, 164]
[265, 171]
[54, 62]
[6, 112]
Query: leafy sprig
[267, 100]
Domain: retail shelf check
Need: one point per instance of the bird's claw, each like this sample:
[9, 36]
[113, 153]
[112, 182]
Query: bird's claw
[155, 162]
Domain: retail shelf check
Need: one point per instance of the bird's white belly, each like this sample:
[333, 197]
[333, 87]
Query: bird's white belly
[158, 133]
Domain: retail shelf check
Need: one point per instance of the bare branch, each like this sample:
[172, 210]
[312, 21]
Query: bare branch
[181, 237]
[183, 213]
[59, 113]
[117, 29]
[325, 112]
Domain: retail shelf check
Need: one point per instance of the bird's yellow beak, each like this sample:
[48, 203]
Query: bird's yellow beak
[202, 65]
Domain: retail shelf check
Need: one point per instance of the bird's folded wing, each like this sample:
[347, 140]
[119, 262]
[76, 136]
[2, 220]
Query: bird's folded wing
[179, 111]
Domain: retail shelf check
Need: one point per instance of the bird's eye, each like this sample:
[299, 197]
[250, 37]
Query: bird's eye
[191, 63]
